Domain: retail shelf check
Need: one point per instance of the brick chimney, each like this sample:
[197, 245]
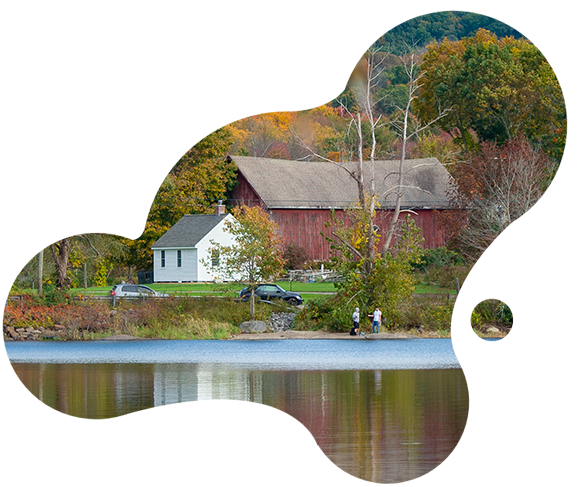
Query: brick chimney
[220, 209]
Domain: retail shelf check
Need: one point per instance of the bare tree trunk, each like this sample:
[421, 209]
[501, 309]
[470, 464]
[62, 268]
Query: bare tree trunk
[129, 273]
[252, 302]
[60, 252]
[404, 138]
[405, 133]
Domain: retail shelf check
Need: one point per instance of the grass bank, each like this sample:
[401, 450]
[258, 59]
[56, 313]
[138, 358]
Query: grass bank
[188, 319]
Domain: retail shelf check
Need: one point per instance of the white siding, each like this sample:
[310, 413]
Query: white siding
[171, 272]
[219, 235]
[192, 269]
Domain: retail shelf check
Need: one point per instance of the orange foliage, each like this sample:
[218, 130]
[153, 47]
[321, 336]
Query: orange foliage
[29, 313]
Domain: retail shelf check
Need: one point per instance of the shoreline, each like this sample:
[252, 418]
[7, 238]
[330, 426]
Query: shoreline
[32, 335]
[319, 335]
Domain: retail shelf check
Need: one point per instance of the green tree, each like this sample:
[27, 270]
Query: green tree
[254, 256]
[386, 280]
[498, 88]
[105, 153]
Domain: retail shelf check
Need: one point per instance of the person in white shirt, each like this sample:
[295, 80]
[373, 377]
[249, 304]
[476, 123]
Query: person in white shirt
[376, 320]
[356, 322]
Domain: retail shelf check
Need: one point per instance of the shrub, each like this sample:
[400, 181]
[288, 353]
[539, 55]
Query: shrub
[295, 257]
[100, 278]
[449, 314]
[476, 319]
[87, 316]
[320, 314]
[445, 276]
[508, 309]
[52, 296]
[441, 257]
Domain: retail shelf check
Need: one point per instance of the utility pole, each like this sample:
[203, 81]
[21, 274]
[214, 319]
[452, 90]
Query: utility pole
[41, 242]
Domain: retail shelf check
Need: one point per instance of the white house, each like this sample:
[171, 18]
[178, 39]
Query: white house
[178, 253]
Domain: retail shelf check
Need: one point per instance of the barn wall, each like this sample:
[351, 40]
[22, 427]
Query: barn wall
[243, 193]
[426, 220]
[303, 227]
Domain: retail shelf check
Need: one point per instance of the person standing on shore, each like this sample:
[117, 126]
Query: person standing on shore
[376, 320]
[356, 321]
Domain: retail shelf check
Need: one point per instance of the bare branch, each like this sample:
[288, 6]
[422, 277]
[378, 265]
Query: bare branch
[91, 245]
[346, 244]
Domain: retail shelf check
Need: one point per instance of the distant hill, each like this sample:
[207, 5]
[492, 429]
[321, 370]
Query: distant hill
[406, 27]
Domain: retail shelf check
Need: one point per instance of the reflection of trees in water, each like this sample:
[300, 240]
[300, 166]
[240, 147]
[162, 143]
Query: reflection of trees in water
[127, 423]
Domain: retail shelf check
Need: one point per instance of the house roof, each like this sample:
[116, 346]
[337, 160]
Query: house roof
[188, 231]
[318, 184]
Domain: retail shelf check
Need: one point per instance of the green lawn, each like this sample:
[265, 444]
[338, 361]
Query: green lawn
[308, 290]
[423, 288]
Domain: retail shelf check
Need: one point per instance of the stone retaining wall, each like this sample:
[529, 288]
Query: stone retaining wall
[21, 334]
[281, 321]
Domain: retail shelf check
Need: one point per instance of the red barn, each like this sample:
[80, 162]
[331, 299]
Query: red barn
[300, 194]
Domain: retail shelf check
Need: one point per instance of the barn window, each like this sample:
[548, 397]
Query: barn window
[179, 258]
[215, 258]
[163, 258]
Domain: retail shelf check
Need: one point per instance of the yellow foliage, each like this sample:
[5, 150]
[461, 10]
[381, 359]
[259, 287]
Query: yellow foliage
[281, 120]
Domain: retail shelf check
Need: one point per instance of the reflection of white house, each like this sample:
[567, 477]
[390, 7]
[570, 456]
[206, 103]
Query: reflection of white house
[177, 253]
[207, 410]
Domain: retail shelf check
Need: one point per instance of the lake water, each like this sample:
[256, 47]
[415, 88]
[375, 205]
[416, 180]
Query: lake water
[286, 411]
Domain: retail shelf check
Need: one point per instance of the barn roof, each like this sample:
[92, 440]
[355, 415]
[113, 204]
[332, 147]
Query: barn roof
[318, 184]
[188, 231]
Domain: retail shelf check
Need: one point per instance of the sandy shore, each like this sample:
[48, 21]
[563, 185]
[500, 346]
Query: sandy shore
[313, 335]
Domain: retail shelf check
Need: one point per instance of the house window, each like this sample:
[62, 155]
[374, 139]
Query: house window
[163, 259]
[179, 258]
[215, 258]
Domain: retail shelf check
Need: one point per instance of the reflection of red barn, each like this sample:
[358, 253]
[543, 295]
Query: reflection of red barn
[299, 195]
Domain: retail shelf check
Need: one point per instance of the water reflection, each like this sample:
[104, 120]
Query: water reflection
[167, 423]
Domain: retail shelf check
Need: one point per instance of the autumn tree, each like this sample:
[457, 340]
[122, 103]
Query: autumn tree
[105, 154]
[497, 88]
[389, 283]
[516, 220]
[254, 256]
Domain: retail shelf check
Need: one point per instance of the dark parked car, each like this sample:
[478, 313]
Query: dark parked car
[134, 291]
[267, 292]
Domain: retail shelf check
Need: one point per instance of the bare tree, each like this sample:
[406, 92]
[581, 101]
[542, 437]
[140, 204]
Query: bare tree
[517, 221]
[374, 275]
[406, 126]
